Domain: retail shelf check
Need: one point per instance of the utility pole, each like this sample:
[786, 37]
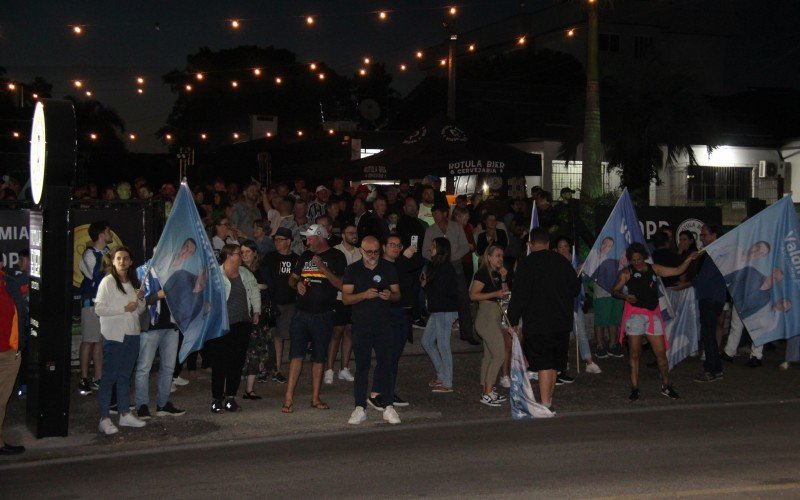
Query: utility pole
[452, 38]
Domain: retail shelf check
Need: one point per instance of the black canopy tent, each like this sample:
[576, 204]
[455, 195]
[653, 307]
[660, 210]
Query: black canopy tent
[444, 148]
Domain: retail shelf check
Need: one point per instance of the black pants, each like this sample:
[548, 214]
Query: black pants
[466, 329]
[367, 338]
[709, 312]
[400, 323]
[227, 359]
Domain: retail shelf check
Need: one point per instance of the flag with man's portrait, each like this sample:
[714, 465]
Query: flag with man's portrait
[190, 276]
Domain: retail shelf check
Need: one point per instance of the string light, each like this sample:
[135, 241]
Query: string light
[93, 136]
[236, 135]
[521, 40]
[367, 60]
[419, 54]
[77, 30]
[235, 24]
[187, 87]
[15, 134]
[453, 11]
[11, 86]
[443, 62]
[299, 133]
[331, 131]
[168, 137]
[88, 93]
[278, 80]
[132, 137]
[78, 84]
[268, 134]
[309, 20]
[203, 136]
[471, 47]
[35, 95]
[140, 91]
[199, 76]
[140, 80]
[382, 15]
[571, 32]
[257, 71]
[321, 76]
[403, 67]
[234, 84]
[362, 72]
[312, 66]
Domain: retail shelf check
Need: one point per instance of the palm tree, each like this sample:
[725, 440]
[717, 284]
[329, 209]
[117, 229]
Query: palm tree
[591, 176]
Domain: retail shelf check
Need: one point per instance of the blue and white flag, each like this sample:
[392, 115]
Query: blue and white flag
[760, 261]
[523, 402]
[185, 264]
[607, 256]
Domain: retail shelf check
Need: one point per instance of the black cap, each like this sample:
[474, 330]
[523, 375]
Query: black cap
[283, 232]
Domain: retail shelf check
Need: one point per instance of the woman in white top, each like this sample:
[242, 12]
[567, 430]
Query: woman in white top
[118, 304]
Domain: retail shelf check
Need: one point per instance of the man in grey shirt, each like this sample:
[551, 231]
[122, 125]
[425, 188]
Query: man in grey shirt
[459, 247]
[245, 211]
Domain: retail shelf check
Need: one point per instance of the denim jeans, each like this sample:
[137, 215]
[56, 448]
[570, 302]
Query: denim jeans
[166, 342]
[436, 342]
[119, 358]
[580, 335]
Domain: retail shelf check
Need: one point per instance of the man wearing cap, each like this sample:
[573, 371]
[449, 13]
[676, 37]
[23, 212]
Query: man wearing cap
[317, 277]
[459, 247]
[279, 266]
[317, 207]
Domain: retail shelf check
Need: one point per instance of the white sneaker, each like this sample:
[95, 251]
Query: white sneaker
[346, 375]
[173, 388]
[591, 367]
[505, 382]
[328, 377]
[130, 420]
[107, 427]
[179, 381]
[532, 375]
[784, 366]
[358, 416]
[390, 415]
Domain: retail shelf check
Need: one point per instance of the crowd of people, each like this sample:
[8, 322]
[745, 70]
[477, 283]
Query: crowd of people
[325, 268]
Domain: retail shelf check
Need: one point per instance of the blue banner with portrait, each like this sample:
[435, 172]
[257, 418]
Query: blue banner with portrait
[190, 276]
[760, 261]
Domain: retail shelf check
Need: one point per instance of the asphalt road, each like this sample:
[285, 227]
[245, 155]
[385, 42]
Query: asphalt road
[722, 450]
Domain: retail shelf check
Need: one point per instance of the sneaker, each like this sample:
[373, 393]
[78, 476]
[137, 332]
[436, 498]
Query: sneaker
[143, 413]
[231, 405]
[216, 406]
[707, 377]
[564, 379]
[96, 385]
[84, 387]
[499, 397]
[669, 392]
[346, 375]
[399, 401]
[601, 352]
[358, 416]
[262, 377]
[420, 323]
[784, 366]
[327, 378]
[107, 427]
[591, 367]
[490, 400]
[442, 389]
[505, 382]
[754, 362]
[724, 357]
[173, 388]
[615, 351]
[634, 394]
[532, 375]
[180, 381]
[376, 403]
[391, 416]
[279, 378]
[169, 410]
[130, 420]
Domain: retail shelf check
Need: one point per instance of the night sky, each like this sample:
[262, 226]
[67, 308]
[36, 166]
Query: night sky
[120, 42]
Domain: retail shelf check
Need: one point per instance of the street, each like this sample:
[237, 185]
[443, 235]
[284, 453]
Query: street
[731, 450]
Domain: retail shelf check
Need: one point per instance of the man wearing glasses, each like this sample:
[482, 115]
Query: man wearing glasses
[370, 286]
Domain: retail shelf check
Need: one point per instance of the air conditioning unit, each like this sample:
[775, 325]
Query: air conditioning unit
[769, 170]
[263, 126]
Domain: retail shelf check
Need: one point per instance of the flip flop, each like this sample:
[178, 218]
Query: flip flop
[287, 408]
[320, 406]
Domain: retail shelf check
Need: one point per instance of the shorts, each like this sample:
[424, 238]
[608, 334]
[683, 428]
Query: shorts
[315, 328]
[90, 325]
[342, 315]
[547, 351]
[607, 311]
[638, 324]
[283, 323]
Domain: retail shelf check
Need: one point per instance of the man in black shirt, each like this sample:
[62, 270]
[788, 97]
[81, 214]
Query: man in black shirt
[317, 277]
[663, 255]
[543, 295]
[409, 224]
[279, 266]
[369, 285]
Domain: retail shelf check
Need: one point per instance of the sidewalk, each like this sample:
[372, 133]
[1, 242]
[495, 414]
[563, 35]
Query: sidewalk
[258, 419]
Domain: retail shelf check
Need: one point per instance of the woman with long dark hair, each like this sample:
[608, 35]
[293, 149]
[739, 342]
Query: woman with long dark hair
[488, 287]
[119, 303]
[243, 301]
[257, 351]
[441, 291]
